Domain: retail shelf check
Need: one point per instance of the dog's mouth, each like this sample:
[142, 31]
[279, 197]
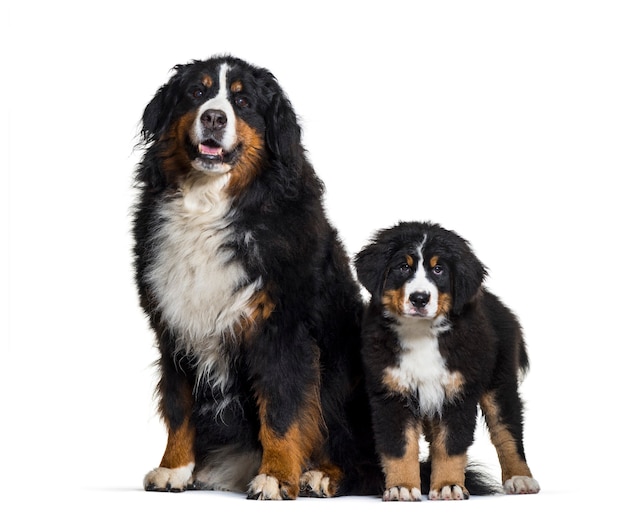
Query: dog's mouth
[417, 312]
[210, 155]
[210, 149]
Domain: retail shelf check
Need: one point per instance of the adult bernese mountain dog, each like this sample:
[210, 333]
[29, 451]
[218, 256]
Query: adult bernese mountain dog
[249, 292]
[436, 344]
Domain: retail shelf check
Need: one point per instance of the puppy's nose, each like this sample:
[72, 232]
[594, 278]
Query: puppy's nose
[419, 299]
[214, 119]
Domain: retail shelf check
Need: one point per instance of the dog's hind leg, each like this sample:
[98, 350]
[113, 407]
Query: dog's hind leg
[447, 480]
[284, 457]
[321, 481]
[503, 414]
[290, 421]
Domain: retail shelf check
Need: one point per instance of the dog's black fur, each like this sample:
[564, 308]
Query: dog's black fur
[437, 343]
[249, 292]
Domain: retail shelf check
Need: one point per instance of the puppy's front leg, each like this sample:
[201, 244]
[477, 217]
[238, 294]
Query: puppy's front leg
[402, 471]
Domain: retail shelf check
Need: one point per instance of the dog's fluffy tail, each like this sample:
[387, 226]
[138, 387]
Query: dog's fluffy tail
[477, 480]
[371, 482]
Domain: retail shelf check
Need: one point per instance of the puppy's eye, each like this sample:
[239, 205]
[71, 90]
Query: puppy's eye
[438, 270]
[197, 93]
[242, 102]
[404, 268]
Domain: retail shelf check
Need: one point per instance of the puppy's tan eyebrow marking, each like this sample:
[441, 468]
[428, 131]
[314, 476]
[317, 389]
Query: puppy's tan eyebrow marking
[433, 261]
[207, 81]
[409, 260]
[236, 86]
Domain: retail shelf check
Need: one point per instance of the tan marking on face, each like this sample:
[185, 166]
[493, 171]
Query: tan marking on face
[393, 300]
[249, 164]
[433, 261]
[176, 162]
[405, 470]
[207, 81]
[409, 260]
[511, 463]
[285, 455]
[444, 304]
[447, 470]
[180, 440]
[236, 86]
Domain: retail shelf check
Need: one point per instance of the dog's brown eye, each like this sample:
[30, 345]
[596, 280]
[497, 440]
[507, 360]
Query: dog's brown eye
[242, 102]
[405, 268]
[197, 93]
[438, 270]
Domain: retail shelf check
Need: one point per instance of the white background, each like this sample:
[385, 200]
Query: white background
[504, 121]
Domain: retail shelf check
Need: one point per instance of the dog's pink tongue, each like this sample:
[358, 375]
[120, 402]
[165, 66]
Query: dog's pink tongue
[210, 150]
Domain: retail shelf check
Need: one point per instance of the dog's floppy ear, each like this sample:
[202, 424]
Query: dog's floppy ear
[158, 113]
[371, 268]
[282, 135]
[469, 274]
[157, 117]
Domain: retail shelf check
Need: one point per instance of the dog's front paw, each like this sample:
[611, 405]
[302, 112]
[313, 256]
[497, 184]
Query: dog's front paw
[315, 483]
[521, 485]
[266, 487]
[449, 492]
[402, 493]
[163, 479]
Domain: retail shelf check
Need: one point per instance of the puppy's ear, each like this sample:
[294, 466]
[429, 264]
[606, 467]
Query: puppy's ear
[469, 274]
[371, 268]
[283, 134]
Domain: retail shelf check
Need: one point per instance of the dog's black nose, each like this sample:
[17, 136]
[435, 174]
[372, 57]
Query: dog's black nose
[214, 119]
[419, 298]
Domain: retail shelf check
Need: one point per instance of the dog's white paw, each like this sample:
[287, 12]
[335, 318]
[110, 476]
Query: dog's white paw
[163, 479]
[521, 485]
[265, 487]
[401, 493]
[448, 493]
[314, 483]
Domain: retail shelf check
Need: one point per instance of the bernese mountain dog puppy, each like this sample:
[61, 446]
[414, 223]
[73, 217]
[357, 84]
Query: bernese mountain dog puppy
[249, 292]
[436, 344]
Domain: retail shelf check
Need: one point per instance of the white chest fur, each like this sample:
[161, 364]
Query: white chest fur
[421, 367]
[196, 278]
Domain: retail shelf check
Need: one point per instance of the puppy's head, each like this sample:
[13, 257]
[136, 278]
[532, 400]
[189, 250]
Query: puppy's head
[218, 116]
[419, 270]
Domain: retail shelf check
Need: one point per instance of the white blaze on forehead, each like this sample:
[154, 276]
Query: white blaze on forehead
[421, 283]
[222, 103]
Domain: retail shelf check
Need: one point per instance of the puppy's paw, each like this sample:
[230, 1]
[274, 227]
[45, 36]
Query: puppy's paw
[266, 487]
[521, 485]
[449, 492]
[315, 483]
[402, 493]
[163, 479]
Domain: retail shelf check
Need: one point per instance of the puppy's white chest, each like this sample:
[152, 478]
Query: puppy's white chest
[421, 368]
